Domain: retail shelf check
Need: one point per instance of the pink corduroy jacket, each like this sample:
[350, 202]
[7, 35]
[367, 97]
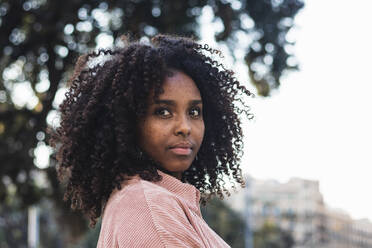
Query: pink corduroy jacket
[156, 214]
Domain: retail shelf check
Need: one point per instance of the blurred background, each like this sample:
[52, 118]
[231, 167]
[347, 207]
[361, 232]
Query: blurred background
[306, 158]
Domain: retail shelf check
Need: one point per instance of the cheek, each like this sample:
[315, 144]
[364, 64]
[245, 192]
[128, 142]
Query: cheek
[200, 132]
[144, 133]
[152, 133]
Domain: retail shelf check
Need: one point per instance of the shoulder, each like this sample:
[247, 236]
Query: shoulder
[140, 202]
[155, 194]
[139, 192]
[127, 219]
[170, 216]
[136, 195]
[144, 210]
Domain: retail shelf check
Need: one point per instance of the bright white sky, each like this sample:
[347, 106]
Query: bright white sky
[319, 124]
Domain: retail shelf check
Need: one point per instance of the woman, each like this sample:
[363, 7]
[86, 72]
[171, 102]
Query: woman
[143, 132]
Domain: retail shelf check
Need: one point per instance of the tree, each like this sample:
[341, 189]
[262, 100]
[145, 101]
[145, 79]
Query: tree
[227, 223]
[271, 236]
[40, 40]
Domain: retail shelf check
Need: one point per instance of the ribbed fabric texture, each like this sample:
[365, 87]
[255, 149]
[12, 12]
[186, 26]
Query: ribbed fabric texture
[156, 214]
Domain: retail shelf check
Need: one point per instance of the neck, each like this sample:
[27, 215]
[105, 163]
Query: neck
[177, 175]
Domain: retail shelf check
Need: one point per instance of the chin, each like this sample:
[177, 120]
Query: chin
[177, 167]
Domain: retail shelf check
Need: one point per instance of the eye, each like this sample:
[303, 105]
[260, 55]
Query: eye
[195, 112]
[162, 112]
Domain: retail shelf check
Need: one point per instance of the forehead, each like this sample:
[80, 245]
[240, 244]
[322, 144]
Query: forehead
[178, 85]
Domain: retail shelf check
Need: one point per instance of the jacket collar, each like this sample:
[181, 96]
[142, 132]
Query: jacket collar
[185, 191]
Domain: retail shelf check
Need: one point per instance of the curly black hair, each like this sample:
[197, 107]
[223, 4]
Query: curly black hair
[96, 144]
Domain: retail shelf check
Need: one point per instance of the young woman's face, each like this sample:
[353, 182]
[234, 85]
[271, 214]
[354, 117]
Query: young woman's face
[172, 130]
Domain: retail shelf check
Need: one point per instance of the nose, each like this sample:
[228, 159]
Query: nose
[183, 126]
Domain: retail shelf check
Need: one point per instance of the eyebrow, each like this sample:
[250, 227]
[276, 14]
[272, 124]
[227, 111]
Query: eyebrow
[172, 103]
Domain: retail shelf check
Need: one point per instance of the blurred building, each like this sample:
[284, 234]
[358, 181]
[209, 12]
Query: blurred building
[297, 206]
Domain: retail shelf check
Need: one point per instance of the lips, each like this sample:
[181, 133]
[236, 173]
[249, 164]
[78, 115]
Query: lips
[181, 149]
